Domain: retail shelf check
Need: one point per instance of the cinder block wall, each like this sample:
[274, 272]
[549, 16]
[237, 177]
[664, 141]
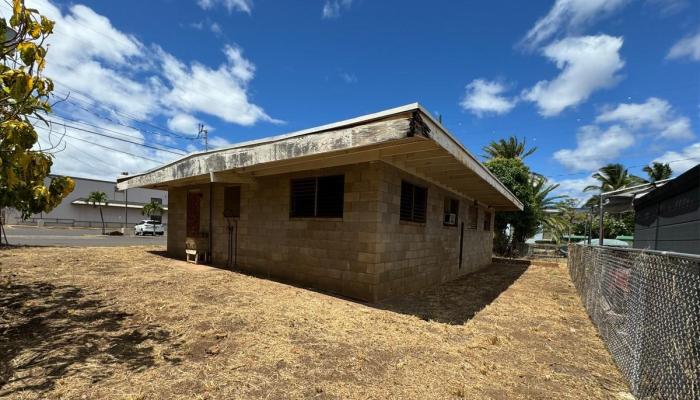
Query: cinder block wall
[411, 256]
[177, 210]
[368, 254]
[334, 254]
[329, 254]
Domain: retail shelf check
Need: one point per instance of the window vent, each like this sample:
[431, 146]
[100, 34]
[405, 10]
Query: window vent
[414, 202]
[473, 216]
[487, 221]
[451, 211]
[320, 197]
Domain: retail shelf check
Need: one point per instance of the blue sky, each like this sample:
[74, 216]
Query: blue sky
[586, 81]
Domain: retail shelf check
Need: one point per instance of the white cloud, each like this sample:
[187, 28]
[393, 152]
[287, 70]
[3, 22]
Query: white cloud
[214, 27]
[231, 5]
[574, 187]
[102, 160]
[595, 147]
[216, 142]
[669, 7]
[115, 75]
[333, 8]
[163, 138]
[687, 47]
[587, 64]
[184, 123]
[569, 16]
[191, 148]
[486, 97]
[87, 54]
[655, 115]
[84, 53]
[683, 160]
[630, 123]
[348, 77]
[221, 92]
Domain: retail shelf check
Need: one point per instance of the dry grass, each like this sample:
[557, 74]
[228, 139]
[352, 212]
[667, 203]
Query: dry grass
[95, 323]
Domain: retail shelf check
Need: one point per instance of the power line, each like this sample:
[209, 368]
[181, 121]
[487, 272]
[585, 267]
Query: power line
[113, 149]
[85, 153]
[162, 131]
[100, 104]
[112, 131]
[122, 113]
[115, 138]
[103, 146]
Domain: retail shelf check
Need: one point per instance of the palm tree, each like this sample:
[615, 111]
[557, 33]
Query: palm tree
[658, 171]
[511, 148]
[98, 199]
[548, 208]
[611, 177]
[152, 209]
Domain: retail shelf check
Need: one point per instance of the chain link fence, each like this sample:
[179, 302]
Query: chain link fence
[646, 307]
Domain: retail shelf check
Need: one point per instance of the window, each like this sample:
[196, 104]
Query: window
[320, 197]
[414, 202]
[156, 200]
[232, 201]
[487, 221]
[451, 212]
[473, 216]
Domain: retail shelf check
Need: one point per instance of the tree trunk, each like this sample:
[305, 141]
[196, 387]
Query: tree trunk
[103, 221]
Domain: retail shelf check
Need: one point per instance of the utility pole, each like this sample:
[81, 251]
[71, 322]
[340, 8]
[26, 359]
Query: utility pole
[204, 133]
[126, 206]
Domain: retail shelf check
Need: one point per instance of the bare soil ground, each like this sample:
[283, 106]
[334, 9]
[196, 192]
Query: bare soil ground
[99, 323]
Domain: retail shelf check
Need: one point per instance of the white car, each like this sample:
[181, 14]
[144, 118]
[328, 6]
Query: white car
[148, 227]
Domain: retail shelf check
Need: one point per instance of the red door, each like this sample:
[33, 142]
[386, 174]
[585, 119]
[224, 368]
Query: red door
[194, 200]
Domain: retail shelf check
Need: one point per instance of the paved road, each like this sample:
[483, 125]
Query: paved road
[58, 236]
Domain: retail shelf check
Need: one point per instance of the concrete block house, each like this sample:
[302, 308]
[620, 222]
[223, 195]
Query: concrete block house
[371, 207]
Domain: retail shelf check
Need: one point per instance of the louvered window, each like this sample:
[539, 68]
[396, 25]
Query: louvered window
[473, 216]
[487, 221]
[414, 202]
[320, 197]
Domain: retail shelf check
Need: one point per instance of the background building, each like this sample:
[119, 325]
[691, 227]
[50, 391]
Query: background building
[668, 217]
[75, 211]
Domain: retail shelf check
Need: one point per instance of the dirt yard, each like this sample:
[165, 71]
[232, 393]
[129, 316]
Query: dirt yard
[110, 323]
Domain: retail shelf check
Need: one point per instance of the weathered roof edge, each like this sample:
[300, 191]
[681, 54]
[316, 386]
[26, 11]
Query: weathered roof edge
[308, 131]
[437, 123]
[340, 124]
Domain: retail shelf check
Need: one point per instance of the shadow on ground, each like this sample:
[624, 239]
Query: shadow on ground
[162, 253]
[454, 302]
[50, 332]
[458, 301]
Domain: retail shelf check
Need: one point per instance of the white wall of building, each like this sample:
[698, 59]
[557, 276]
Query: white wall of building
[69, 214]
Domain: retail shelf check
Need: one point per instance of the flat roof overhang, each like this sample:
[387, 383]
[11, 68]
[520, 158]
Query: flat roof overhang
[111, 203]
[406, 137]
